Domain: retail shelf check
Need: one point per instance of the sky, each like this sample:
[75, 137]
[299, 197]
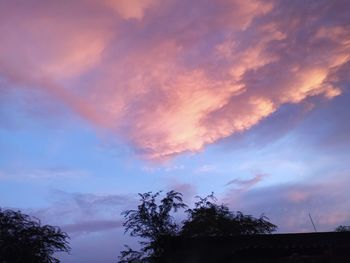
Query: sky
[104, 99]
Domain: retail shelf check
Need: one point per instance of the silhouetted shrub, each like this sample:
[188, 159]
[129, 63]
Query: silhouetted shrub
[211, 219]
[153, 223]
[24, 239]
[342, 229]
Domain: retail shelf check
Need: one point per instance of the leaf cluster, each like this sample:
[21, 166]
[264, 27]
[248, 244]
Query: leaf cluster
[342, 229]
[24, 239]
[211, 219]
[152, 222]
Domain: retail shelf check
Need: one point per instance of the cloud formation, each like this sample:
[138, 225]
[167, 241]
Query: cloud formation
[246, 184]
[289, 205]
[92, 226]
[83, 213]
[169, 76]
[89, 219]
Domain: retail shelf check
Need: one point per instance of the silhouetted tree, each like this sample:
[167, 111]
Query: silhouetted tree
[342, 229]
[153, 223]
[210, 219]
[150, 221]
[24, 239]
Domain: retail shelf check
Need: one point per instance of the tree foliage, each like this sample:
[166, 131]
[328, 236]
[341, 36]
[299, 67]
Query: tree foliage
[152, 221]
[211, 219]
[24, 239]
[342, 229]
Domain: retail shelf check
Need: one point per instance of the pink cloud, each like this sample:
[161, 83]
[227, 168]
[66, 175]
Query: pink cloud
[129, 9]
[171, 77]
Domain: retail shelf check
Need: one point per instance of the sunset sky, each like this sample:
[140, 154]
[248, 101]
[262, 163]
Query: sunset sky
[103, 99]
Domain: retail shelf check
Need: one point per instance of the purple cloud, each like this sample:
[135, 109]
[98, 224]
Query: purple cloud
[288, 205]
[92, 226]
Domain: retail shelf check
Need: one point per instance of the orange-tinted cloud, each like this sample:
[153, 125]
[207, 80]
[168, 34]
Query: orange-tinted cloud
[174, 76]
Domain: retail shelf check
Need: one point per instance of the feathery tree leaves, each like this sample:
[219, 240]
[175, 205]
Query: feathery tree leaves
[151, 221]
[24, 239]
[210, 219]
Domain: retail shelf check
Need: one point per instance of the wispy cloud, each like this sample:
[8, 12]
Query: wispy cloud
[42, 174]
[206, 168]
[288, 205]
[247, 183]
[82, 213]
[92, 226]
[88, 219]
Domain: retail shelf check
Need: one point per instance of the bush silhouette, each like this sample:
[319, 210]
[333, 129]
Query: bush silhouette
[211, 219]
[152, 222]
[24, 239]
[342, 229]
